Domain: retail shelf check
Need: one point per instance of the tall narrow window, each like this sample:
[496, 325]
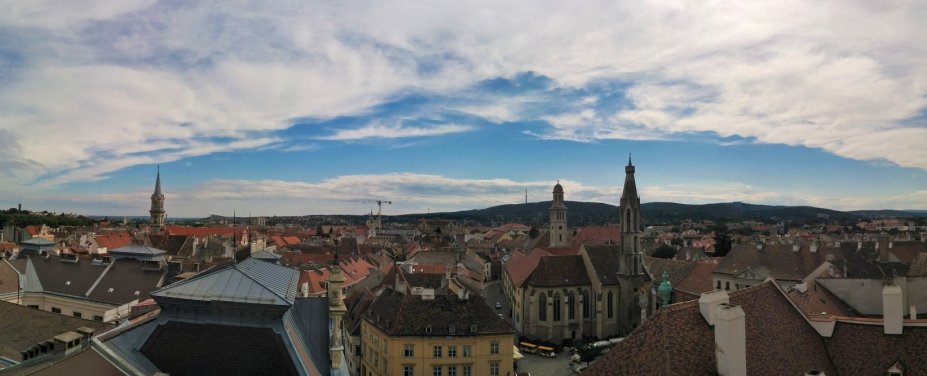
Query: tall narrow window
[611, 305]
[542, 307]
[585, 305]
[628, 220]
[557, 307]
[571, 306]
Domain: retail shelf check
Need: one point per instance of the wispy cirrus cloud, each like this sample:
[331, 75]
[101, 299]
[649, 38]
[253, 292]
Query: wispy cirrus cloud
[385, 131]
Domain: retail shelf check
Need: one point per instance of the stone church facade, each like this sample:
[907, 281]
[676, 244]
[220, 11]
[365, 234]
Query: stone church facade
[594, 291]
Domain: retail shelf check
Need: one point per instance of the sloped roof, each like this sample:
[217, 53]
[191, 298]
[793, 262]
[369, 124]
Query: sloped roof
[113, 240]
[37, 242]
[250, 281]
[408, 315]
[24, 327]
[554, 271]
[678, 270]
[521, 265]
[699, 279]
[815, 300]
[860, 349]
[264, 255]
[676, 340]
[596, 235]
[606, 262]
[88, 362]
[779, 259]
[137, 250]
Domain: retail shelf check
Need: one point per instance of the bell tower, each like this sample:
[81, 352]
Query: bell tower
[157, 206]
[559, 234]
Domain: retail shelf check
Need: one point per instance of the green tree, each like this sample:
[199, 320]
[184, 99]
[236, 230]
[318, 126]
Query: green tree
[722, 243]
[534, 232]
[587, 352]
[664, 251]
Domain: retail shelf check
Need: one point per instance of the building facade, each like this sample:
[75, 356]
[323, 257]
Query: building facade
[603, 291]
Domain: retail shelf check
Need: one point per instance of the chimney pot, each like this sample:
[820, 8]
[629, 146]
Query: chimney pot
[892, 313]
[708, 304]
[730, 340]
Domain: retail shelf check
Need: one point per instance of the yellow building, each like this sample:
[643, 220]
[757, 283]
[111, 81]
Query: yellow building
[405, 335]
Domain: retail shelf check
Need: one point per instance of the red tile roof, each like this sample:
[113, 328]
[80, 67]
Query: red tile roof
[354, 270]
[676, 340]
[202, 232]
[596, 235]
[113, 240]
[33, 230]
[520, 265]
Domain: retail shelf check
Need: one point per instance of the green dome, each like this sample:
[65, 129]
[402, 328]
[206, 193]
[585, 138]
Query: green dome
[665, 290]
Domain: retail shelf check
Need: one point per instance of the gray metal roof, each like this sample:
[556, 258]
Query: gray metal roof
[251, 281]
[264, 255]
[37, 242]
[139, 250]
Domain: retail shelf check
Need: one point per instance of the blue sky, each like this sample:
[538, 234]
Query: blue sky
[305, 108]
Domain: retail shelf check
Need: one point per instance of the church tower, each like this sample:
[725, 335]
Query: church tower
[336, 311]
[559, 233]
[636, 284]
[157, 206]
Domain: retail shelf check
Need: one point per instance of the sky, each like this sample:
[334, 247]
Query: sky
[314, 107]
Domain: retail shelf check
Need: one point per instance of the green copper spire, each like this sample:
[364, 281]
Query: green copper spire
[665, 290]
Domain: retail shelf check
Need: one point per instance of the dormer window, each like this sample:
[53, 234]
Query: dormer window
[472, 328]
[428, 329]
[896, 370]
[110, 290]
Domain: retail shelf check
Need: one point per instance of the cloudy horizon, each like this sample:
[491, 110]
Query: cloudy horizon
[306, 108]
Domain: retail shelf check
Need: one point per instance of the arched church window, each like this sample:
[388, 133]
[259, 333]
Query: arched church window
[542, 307]
[585, 304]
[571, 306]
[557, 307]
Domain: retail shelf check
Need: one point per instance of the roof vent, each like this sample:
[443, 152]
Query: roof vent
[427, 329]
[68, 283]
[814, 372]
[136, 293]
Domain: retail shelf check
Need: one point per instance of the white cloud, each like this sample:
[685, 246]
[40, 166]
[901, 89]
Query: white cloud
[379, 130]
[145, 82]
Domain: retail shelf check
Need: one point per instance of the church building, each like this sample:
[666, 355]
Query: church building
[157, 206]
[603, 291]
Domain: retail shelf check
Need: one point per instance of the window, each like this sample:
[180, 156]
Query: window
[408, 370]
[437, 352]
[100, 318]
[557, 307]
[452, 351]
[611, 304]
[56, 310]
[436, 371]
[542, 307]
[719, 285]
[493, 369]
[571, 306]
[494, 347]
[585, 305]
[408, 350]
[727, 285]
[467, 351]
[357, 350]
[468, 370]
[451, 370]
[77, 314]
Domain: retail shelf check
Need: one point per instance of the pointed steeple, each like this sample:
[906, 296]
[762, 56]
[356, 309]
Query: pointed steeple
[157, 190]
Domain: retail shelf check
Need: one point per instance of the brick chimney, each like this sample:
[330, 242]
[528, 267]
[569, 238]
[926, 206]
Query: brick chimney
[708, 304]
[730, 340]
[892, 310]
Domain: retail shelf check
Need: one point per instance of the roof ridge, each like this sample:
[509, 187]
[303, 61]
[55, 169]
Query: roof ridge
[100, 278]
[262, 284]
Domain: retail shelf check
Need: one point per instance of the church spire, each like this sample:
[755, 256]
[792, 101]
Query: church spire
[157, 190]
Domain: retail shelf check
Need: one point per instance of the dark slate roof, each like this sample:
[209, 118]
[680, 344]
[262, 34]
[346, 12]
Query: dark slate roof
[860, 349]
[676, 340]
[67, 278]
[553, 271]
[862, 262]
[86, 363]
[408, 315]
[311, 316]
[678, 270]
[125, 277]
[206, 349]
[22, 327]
[606, 261]
[250, 281]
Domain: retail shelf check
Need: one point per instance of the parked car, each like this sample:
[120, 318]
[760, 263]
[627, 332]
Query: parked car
[498, 305]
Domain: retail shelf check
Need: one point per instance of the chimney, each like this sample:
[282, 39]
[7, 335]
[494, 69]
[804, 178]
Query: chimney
[708, 304]
[795, 247]
[759, 246]
[913, 312]
[859, 245]
[814, 247]
[730, 340]
[883, 247]
[892, 314]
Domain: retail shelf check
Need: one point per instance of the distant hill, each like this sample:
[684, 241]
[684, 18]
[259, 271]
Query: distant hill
[587, 213]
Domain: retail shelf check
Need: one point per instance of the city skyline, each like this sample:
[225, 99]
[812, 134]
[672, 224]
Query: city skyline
[307, 108]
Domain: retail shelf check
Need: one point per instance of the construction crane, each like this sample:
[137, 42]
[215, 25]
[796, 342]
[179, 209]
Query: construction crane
[379, 208]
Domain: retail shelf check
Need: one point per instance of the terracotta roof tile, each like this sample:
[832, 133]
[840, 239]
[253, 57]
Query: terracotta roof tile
[521, 265]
